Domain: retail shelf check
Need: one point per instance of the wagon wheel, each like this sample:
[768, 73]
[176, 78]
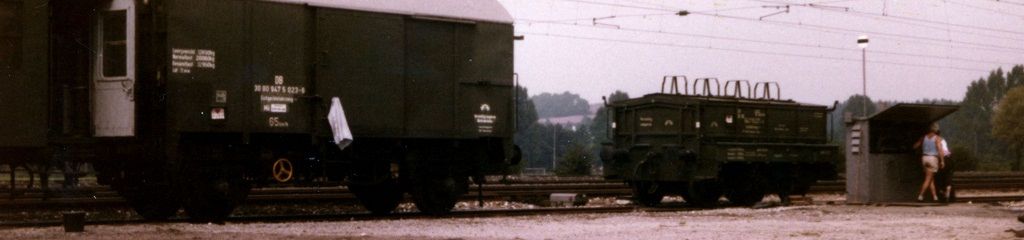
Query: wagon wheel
[282, 170]
[12, 185]
[647, 193]
[434, 189]
[379, 198]
[437, 195]
[744, 186]
[214, 185]
[704, 193]
[153, 199]
[745, 194]
[14, 181]
[213, 200]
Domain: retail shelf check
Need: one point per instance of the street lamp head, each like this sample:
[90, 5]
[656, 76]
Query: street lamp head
[862, 41]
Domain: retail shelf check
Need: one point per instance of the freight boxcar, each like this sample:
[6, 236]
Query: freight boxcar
[703, 143]
[188, 103]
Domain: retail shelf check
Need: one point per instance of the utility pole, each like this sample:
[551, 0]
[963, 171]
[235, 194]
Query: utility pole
[554, 146]
[862, 42]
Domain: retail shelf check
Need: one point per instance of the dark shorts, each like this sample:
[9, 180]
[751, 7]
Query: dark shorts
[944, 177]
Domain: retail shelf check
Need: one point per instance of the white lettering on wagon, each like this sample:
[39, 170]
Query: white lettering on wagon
[280, 89]
[275, 99]
[183, 60]
[485, 120]
[206, 59]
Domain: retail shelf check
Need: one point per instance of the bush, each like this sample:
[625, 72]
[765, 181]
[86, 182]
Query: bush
[963, 158]
[575, 162]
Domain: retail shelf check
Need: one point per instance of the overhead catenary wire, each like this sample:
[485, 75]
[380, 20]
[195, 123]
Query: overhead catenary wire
[817, 27]
[851, 11]
[1009, 2]
[911, 23]
[985, 9]
[791, 44]
[557, 35]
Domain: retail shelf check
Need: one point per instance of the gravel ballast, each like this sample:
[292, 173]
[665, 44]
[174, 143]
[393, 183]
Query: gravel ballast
[956, 221]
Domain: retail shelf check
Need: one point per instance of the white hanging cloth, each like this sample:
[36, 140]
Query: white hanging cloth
[339, 124]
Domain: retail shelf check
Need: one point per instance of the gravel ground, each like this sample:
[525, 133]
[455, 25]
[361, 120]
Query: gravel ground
[957, 221]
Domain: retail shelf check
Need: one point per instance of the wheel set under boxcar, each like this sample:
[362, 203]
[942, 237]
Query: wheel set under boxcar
[703, 143]
[189, 103]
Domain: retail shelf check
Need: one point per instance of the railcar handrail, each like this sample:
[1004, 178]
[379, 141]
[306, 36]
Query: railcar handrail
[737, 88]
[707, 87]
[764, 88]
[674, 87]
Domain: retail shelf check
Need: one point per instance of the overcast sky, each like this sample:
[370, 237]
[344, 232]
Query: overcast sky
[918, 48]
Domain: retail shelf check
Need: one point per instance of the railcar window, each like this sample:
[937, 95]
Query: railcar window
[10, 34]
[115, 43]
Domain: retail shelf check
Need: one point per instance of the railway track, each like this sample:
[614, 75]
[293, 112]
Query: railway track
[364, 216]
[102, 196]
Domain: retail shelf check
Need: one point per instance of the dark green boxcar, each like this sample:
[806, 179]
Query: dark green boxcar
[172, 100]
[23, 73]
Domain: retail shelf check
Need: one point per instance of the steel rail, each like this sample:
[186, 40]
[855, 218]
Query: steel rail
[364, 216]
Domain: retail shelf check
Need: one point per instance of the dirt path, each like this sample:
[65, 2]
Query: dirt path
[958, 221]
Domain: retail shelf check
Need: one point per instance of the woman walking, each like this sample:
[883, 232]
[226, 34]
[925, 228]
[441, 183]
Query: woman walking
[932, 159]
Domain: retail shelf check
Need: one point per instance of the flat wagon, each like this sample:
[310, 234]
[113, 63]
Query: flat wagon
[710, 140]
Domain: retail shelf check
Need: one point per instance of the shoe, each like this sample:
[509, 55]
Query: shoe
[920, 198]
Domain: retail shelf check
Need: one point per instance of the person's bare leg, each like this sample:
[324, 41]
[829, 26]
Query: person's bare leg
[924, 185]
[931, 185]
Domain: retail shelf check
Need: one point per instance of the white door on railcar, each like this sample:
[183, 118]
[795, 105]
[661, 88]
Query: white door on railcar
[113, 100]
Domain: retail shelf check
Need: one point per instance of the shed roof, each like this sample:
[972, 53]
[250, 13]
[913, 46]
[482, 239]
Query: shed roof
[905, 112]
[475, 10]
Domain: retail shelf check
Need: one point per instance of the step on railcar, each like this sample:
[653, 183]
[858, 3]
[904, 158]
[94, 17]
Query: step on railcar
[189, 103]
[710, 140]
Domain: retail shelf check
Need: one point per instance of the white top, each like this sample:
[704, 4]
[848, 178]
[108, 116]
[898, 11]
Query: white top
[946, 151]
[474, 10]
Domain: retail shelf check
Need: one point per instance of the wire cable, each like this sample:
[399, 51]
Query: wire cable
[791, 44]
[883, 16]
[894, 36]
[556, 35]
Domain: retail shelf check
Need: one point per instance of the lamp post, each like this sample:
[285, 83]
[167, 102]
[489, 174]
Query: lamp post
[554, 147]
[862, 42]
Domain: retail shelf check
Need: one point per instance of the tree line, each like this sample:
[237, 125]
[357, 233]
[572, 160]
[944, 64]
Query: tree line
[986, 133]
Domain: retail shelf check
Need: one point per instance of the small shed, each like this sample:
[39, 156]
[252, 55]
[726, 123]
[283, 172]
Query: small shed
[881, 162]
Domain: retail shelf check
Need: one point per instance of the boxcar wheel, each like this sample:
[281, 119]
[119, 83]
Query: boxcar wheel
[434, 187]
[379, 198]
[647, 193]
[436, 195]
[703, 193]
[153, 202]
[213, 185]
[214, 200]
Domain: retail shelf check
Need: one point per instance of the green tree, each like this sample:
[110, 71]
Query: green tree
[526, 111]
[560, 105]
[963, 159]
[851, 106]
[529, 133]
[1007, 125]
[1015, 77]
[854, 105]
[576, 162]
[600, 125]
[972, 124]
